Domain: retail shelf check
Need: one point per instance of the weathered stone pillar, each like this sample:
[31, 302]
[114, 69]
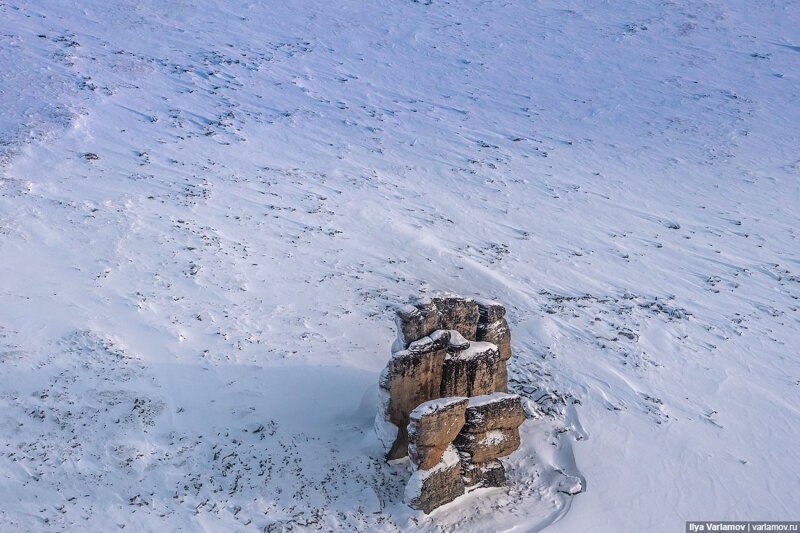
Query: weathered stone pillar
[443, 399]
[411, 377]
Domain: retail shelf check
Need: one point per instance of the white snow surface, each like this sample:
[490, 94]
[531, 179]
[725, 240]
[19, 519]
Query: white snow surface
[485, 399]
[190, 315]
[494, 436]
[432, 406]
[475, 349]
[457, 340]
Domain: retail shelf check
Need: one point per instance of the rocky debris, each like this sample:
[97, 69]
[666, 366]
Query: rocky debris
[424, 317]
[472, 371]
[434, 487]
[411, 377]
[444, 399]
[493, 327]
[433, 427]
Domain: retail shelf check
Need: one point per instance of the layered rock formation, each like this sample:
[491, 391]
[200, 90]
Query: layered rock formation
[444, 400]
[423, 318]
[490, 431]
[428, 489]
[412, 376]
[470, 371]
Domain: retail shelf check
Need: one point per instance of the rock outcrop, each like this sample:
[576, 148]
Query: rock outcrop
[444, 400]
[411, 377]
[423, 318]
[490, 431]
[470, 371]
[493, 411]
[492, 327]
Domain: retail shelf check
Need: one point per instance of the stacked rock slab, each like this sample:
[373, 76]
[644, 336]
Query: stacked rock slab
[436, 479]
[471, 370]
[490, 431]
[424, 317]
[443, 398]
[432, 428]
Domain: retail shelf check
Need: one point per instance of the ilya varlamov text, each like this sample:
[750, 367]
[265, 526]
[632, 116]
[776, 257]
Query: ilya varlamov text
[692, 527]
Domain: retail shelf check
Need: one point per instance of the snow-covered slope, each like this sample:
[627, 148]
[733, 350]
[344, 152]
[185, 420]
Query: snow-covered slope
[208, 210]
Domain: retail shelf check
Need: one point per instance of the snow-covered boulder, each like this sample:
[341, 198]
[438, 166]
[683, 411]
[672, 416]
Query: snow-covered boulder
[494, 411]
[487, 445]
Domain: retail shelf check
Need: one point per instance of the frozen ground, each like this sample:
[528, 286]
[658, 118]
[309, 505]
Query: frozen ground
[207, 210]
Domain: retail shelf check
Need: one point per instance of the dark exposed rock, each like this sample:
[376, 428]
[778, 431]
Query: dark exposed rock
[429, 489]
[470, 372]
[490, 311]
[433, 426]
[459, 314]
[492, 327]
[501, 377]
[414, 322]
[494, 411]
[490, 431]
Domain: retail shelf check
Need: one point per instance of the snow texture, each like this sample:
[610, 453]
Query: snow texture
[457, 340]
[486, 399]
[385, 430]
[209, 211]
[492, 437]
[475, 349]
[433, 406]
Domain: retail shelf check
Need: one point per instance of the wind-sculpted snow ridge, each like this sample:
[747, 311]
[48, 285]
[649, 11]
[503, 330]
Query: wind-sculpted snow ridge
[208, 210]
